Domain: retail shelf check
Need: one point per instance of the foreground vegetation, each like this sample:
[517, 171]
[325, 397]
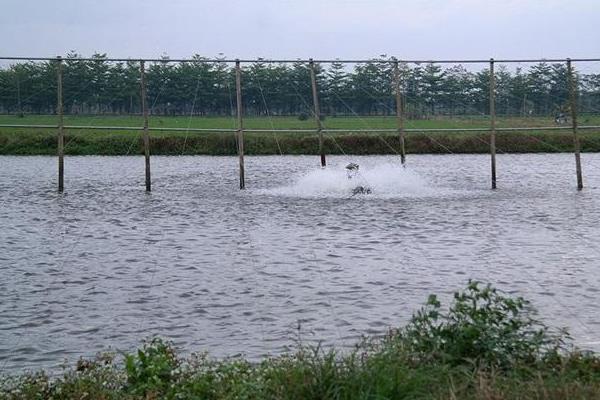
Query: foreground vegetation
[42, 141]
[485, 345]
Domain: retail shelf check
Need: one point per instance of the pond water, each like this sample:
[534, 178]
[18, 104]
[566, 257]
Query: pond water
[293, 257]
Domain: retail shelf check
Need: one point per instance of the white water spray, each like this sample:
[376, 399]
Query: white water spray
[384, 180]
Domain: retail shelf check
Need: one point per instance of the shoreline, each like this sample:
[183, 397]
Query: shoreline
[484, 345]
[219, 144]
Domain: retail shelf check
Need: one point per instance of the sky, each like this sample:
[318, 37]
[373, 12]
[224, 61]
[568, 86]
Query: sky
[416, 29]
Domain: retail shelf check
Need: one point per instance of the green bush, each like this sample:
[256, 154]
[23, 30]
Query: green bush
[482, 326]
[152, 368]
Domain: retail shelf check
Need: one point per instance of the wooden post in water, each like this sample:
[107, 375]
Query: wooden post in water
[573, 107]
[399, 112]
[317, 110]
[240, 125]
[61, 130]
[493, 121]
[146, 137]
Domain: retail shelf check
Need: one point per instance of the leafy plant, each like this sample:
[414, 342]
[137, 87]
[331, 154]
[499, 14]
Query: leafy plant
[482, 326]
[151, 369]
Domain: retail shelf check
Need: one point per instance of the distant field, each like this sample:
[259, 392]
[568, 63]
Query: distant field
[288, 122]
[119, 142]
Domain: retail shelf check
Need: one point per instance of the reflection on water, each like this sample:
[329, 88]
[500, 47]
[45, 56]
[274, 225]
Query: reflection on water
[293, 256]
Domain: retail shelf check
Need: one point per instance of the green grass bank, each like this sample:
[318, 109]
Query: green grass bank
[484, 345]
[43, 141]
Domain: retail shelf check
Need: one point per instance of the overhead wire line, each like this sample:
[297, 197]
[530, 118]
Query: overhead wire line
[60, 268]
[332, 308]
[312, 112]
[44, 91]
[80, 234]
[322, 61]
[268, 115]
[392, 111]
[499, 129]
[191, 115]
[151, 282]
[362, 177]
[95, 117]
[380, 137]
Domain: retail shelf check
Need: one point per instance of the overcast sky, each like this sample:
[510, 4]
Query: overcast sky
[415, 29]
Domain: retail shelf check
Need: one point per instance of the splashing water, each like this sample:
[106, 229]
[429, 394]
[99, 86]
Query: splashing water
[384, 180]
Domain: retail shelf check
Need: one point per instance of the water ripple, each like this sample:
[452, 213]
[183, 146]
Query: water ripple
[294, 256]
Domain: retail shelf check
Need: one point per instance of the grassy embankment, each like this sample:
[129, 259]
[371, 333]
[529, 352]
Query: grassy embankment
[484, 346]
[109, 142]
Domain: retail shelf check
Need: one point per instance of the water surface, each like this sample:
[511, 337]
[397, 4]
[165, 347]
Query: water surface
[293, 257]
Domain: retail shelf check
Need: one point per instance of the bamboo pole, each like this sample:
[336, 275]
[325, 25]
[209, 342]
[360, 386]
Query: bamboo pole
[61, 124]
[573, 107]
[240, 122]
[317, 111]
[146, 136]
[493, 122]
[399, 112]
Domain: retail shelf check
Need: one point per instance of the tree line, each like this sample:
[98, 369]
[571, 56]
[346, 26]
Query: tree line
[208, 88]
